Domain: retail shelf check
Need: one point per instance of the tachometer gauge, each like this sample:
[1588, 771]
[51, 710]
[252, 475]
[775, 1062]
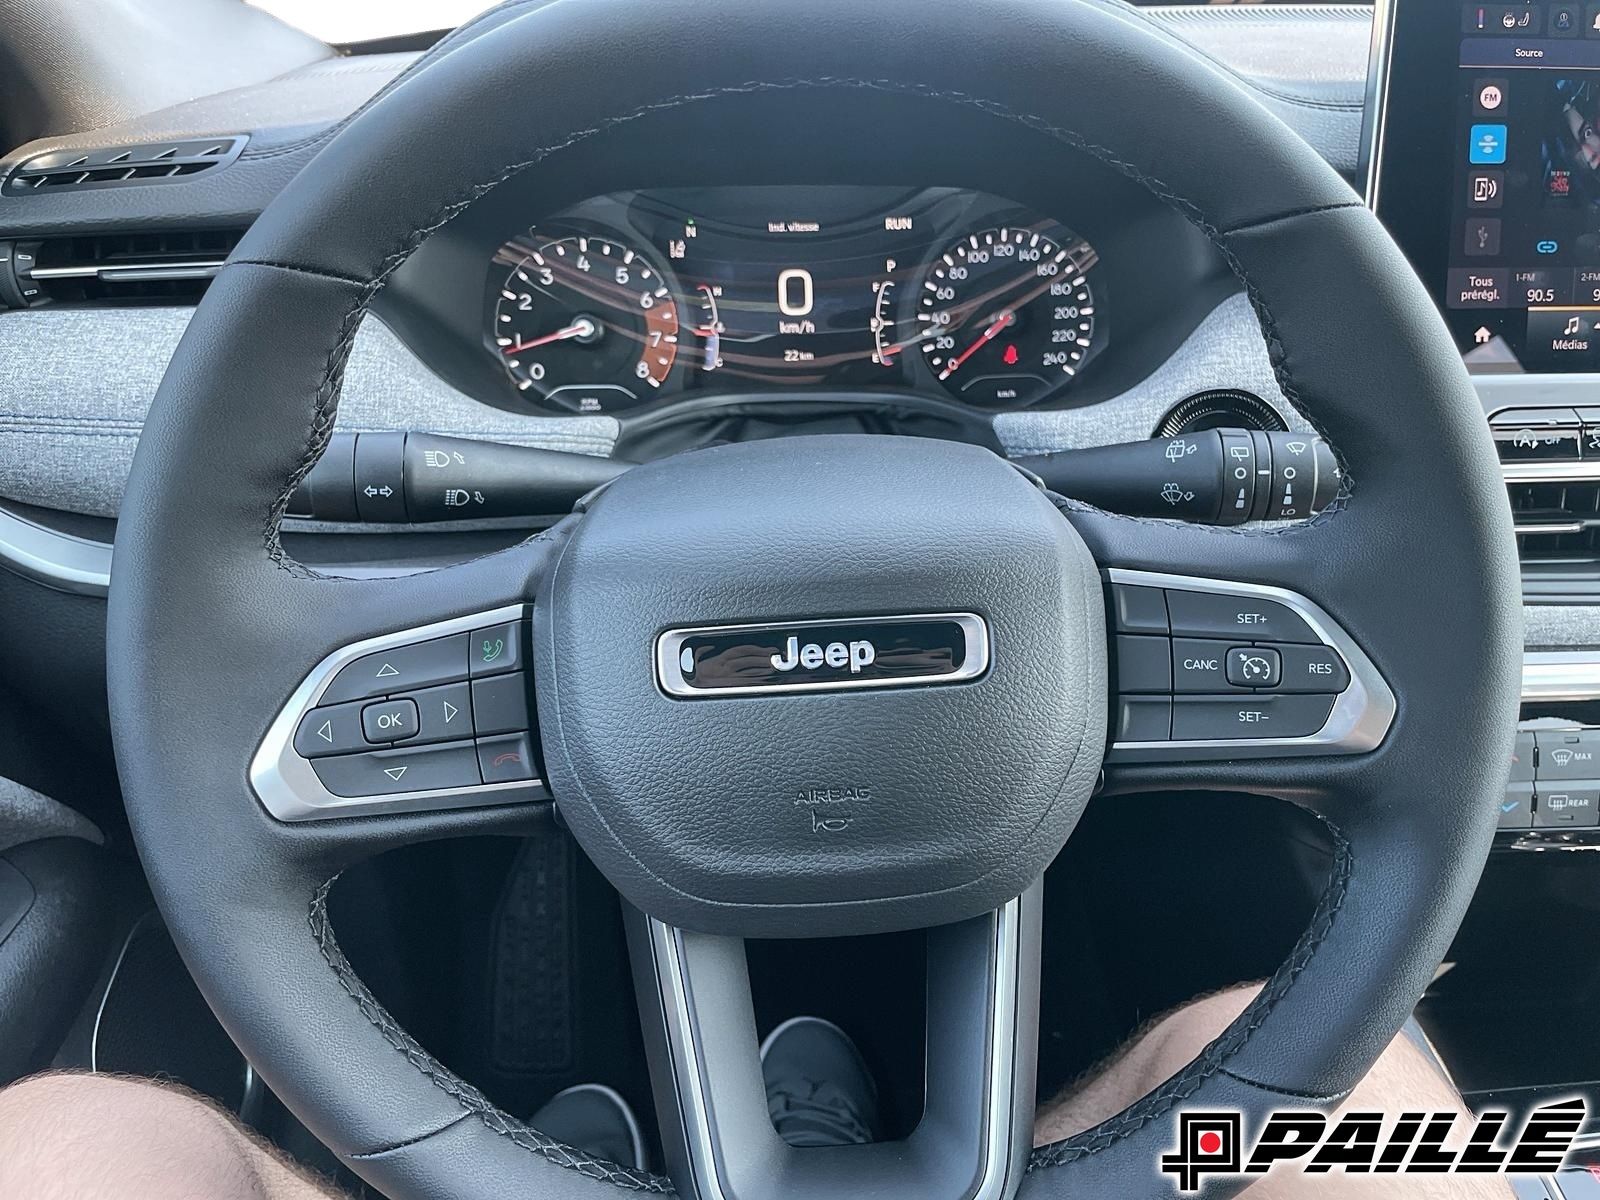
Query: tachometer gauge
[585, 322]
[1006, 316]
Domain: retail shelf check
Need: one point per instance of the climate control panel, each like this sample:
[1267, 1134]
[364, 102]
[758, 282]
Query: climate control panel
[1554, 782]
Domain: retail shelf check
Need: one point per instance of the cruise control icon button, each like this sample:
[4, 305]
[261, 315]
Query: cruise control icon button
[1254, 666]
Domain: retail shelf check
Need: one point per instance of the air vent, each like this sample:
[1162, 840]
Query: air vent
[1551, 461]
[140, 268]
[116, 166]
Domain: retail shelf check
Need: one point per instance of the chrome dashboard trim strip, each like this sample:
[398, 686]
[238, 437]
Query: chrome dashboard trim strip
[156, 269]
[57, 560]
[1560, 675]
[1551, 472]
[289, 788]
[695, 1102]
[1376, 110]
[1361, 714]
[670, 676]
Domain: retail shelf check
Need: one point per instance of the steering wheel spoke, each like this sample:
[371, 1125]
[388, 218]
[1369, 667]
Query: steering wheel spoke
[1225, 647]
[981, 1041]
[423, 707]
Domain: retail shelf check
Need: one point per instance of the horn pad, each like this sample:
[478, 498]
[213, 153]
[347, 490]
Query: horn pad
[870, 774]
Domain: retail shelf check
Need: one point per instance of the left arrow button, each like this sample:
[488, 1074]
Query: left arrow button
[331, 729]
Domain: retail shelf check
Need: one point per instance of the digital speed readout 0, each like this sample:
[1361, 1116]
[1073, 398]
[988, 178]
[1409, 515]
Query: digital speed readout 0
[633, 297]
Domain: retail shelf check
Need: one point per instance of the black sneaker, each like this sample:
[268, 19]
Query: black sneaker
[595, 1119]
[819, 1091]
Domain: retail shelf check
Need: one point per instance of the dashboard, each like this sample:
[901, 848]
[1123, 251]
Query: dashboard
[629, 298]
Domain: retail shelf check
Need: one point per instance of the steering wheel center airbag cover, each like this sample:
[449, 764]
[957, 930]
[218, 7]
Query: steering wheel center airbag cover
[829, 809]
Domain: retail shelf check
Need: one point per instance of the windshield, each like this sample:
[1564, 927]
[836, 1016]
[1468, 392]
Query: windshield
[366, 20]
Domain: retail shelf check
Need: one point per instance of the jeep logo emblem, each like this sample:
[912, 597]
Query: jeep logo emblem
[797, 656]
[857, 654]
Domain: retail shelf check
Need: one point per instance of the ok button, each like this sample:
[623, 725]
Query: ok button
[389, 720]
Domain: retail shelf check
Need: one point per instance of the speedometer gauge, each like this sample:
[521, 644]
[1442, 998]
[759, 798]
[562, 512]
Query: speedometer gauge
[585, 322]
[1007, 315]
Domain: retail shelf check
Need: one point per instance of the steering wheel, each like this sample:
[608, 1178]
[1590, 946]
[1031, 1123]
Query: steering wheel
[790, 805]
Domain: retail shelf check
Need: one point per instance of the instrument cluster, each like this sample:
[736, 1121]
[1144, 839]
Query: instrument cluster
[635, 297]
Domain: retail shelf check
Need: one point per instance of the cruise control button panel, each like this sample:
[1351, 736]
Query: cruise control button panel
[1254, 670]
[436, 717]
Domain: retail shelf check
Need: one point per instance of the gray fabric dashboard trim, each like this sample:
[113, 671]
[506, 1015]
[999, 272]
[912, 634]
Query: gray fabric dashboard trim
[67, 438]
[1226, 350]
[1561, 626]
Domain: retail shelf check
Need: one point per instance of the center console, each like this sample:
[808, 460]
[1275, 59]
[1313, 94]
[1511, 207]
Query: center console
[1482, 147]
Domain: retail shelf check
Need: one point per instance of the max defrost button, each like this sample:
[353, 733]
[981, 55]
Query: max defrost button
[1574, 755]
[412, 769]
[1213, 718]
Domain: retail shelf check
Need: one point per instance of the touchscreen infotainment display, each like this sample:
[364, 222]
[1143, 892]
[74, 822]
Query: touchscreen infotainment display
[1526, 248]
[1500, 105]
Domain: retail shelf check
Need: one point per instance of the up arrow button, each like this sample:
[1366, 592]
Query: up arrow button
[401, 669]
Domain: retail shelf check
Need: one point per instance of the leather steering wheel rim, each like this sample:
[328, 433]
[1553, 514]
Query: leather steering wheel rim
[212, 625]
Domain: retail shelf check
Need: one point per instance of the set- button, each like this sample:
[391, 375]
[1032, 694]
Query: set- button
[1205, 666]
[449, 712]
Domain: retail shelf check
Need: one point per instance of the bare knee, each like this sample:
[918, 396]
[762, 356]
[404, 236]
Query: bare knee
[76, 1137]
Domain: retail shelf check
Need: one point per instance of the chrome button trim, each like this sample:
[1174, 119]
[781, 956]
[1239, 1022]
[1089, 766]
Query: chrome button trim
[287, 784]
[1361, 714]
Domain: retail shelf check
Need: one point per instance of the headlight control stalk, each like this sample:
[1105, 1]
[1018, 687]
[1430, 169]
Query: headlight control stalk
[408, 478]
